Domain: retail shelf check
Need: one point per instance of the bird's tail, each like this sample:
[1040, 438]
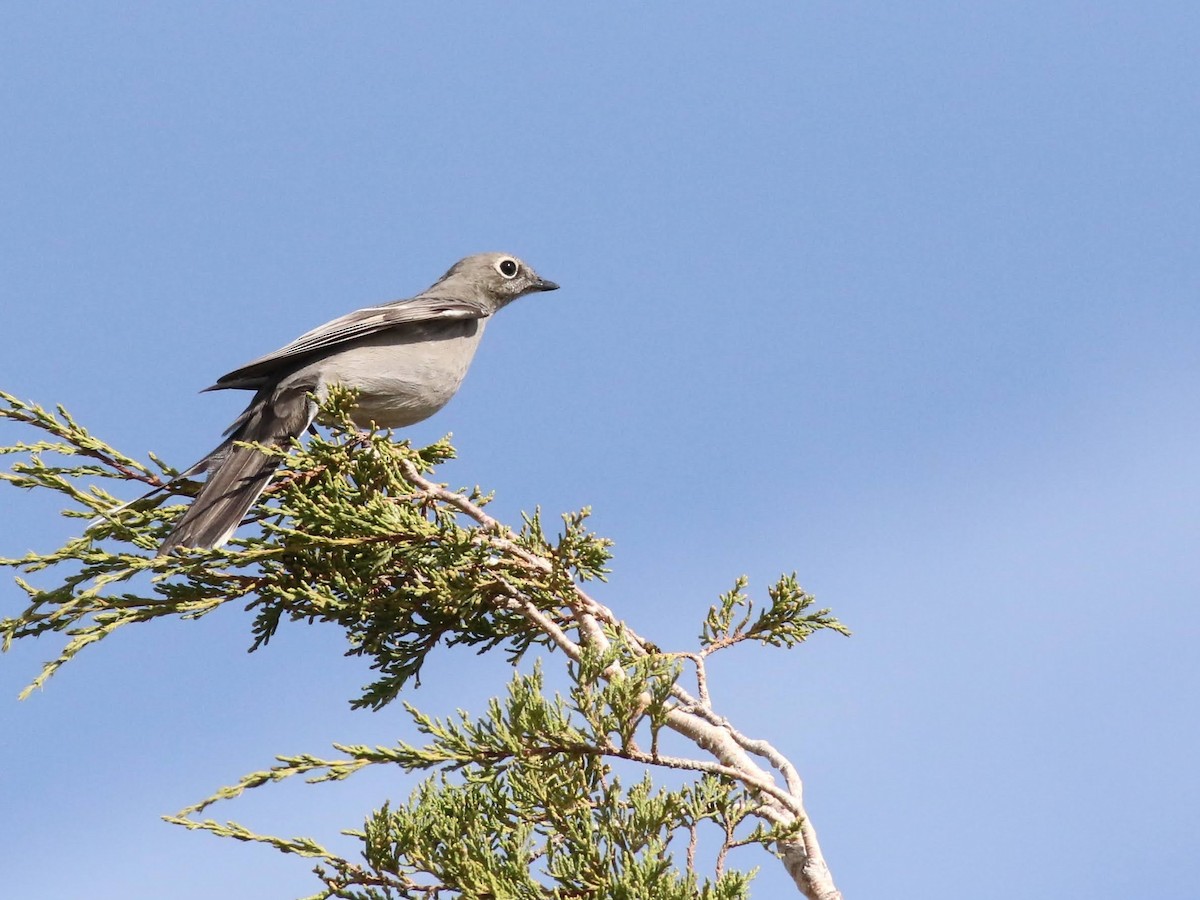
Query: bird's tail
[238, 474]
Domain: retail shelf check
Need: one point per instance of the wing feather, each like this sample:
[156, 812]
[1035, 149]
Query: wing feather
[346, 329]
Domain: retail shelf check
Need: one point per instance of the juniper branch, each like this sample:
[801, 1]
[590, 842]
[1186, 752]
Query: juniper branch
[356, 533]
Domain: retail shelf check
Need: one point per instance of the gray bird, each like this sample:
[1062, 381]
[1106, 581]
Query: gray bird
[406, 359]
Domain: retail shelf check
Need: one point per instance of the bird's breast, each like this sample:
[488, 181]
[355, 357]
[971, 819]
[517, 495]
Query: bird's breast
[405, 376]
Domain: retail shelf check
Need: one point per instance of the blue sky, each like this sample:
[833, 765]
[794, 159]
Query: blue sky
[901, 296]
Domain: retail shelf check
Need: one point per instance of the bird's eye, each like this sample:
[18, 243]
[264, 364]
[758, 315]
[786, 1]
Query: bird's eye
[507, 267]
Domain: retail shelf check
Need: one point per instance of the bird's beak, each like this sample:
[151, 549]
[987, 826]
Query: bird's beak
[543, 285]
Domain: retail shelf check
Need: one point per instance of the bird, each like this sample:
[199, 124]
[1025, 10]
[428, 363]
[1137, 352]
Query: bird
[404, 359]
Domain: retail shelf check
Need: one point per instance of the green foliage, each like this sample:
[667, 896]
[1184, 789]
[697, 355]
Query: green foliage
[524, 804]
[348, 540]
[529, 800]
[785, 622]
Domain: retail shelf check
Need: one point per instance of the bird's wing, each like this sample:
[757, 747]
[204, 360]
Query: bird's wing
[349, 328]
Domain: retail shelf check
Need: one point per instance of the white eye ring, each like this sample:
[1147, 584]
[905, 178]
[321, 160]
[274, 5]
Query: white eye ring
[507, 267]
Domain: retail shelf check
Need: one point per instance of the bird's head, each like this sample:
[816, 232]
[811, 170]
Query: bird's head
[500, 278]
